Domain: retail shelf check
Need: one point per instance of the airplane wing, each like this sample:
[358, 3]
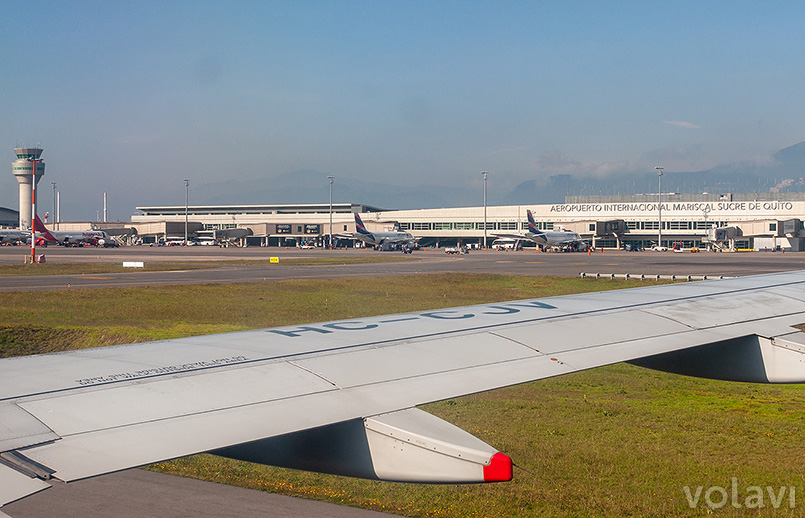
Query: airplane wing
[340, 396]
[392, 240]
[11, 236]
[511, 236]
[534, 238]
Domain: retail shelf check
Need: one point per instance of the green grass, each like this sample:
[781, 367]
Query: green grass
[613, 441]
[91, 268]
[172, 311]
[94, 268]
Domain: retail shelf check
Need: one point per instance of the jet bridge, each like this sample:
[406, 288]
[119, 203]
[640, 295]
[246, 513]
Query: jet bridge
[717, 236]
[595, 229]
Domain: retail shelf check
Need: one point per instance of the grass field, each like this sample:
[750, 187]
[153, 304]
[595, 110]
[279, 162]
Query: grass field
[614, 441]
[93, 268]
[87, 268]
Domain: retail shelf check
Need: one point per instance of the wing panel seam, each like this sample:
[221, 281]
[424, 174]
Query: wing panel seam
[318, 375]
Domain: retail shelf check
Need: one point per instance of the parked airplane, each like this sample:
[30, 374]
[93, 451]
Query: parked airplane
[14, 236]
[340, 397]
[68, 238]
[545, 239]
[378, 238]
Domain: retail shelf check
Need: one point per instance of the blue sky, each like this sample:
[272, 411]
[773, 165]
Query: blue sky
[132, 97]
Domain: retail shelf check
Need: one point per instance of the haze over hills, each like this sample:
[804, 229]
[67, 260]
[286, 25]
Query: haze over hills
[784, 172]
[306, 186]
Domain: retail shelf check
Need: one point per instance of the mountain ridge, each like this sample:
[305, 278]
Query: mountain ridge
[784, 172]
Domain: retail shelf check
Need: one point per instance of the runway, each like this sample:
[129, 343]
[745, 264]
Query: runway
[138, 493]
[147, 494]
[420, 263]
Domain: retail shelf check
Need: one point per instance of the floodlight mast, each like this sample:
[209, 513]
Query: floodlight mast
[331, 210]
[55, 219]
[485, 173]
[33, 161]
[659, 204]
[186, 200]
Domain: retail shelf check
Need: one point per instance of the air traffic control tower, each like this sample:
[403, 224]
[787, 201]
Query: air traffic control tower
[23, 167]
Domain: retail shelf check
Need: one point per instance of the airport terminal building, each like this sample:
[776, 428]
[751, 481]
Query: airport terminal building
[760, 221]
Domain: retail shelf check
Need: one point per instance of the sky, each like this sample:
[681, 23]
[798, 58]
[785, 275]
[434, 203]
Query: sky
[131, 98]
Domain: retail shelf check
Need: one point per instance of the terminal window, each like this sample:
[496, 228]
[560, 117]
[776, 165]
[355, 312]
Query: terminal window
[678, 225]
[541, 225]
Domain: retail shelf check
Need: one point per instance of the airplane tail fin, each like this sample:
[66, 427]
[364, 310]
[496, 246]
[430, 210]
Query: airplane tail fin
[532, 225]
[359, 226]
[38, 225]
[42, 229]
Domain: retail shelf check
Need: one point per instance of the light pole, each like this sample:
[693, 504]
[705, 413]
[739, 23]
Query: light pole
[659, 203]
[53, 211]
[186, 200]
[33, 161]
[706, 239]
[331, 210]
[485, 173]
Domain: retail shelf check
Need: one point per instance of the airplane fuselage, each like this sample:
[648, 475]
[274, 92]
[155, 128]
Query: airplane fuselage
[554, 238]
[13, 236]
[383, 238]
[89, 236]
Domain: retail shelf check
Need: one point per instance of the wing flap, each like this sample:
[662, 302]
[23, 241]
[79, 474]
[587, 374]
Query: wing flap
[18, 428]
[14, 485]
[591, 331]
[718, 311]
